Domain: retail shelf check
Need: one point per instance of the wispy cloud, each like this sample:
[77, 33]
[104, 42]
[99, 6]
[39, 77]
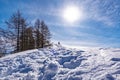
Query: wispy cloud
[90, 31]
[84, 39]
[103, 11]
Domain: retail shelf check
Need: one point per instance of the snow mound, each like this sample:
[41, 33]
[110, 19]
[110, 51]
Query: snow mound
[60, 63]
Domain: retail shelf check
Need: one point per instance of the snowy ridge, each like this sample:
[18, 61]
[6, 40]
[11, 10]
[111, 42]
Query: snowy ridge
[60, 63]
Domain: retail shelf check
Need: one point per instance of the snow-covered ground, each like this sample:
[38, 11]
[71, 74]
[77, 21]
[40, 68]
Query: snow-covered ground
[59, 63]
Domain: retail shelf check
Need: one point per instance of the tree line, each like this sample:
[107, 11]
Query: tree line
[25, 36]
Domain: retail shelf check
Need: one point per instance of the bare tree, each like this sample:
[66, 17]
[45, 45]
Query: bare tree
[43, 35]
[23, 37]
[38, 34]
[16, 24]
[28, 42]
[45, 39]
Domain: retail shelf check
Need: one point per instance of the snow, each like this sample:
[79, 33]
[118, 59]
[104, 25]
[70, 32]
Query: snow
[60, 63]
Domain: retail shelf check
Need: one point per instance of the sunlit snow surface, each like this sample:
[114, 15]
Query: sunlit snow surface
[59, 63]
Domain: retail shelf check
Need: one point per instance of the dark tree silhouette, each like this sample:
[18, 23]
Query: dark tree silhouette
[16, 24]
[28, 42]
[45, 35]
[38, 34]
[23, 37]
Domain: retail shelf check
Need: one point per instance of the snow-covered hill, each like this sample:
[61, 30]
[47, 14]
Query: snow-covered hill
[59, 63]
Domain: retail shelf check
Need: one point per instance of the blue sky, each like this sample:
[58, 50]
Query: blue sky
[99, 25]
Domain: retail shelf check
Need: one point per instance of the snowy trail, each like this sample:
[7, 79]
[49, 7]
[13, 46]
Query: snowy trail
[59, 63]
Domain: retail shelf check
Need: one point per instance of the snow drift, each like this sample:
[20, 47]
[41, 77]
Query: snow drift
[59, 63]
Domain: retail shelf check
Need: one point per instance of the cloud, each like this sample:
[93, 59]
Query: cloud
[78, 34]
[85, 43]
[102, 10]
[98, 10]
[73, 43]
[73, 37]
[92, 9]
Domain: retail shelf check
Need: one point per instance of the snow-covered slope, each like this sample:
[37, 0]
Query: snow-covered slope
[59, 63]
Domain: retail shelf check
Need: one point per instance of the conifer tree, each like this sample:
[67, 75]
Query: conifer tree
[15, 25]
[38, 33]
[45, 39]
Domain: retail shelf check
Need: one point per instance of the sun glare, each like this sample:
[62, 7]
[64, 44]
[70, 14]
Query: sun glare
[72, 14]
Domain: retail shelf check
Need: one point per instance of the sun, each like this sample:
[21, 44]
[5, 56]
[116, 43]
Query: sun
[72, 14]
